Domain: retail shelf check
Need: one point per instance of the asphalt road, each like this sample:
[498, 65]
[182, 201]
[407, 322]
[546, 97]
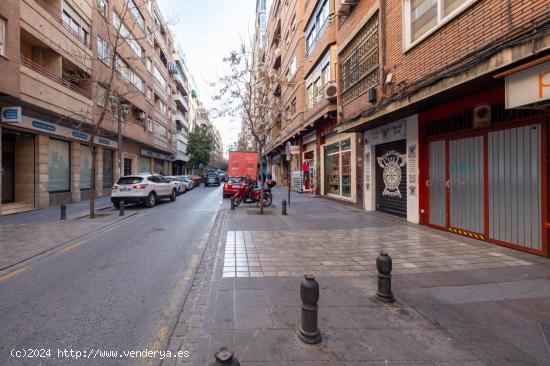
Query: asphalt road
[119, 290]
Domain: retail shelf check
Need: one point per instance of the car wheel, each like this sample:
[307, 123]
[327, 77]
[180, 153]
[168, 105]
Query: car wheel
[116, 204]
[173, 196]
[151, 200]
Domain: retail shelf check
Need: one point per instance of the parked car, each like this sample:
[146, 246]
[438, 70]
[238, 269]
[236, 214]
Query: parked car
[231, 186]
[212, 178]
[180, 186]
[185, 181]
[142, 188]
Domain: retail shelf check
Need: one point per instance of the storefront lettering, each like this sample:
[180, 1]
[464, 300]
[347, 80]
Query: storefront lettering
[542, 83]
[43, 126]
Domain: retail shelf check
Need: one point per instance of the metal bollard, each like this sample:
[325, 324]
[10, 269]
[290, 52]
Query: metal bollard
[121, 208]
[232, 202]
[63, 212]
[283, 208]
[225, 357]
[309, 292]
[384, 266]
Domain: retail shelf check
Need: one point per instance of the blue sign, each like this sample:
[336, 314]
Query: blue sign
[43, 126]
[11, 114]
[80, 135]
[104, 141]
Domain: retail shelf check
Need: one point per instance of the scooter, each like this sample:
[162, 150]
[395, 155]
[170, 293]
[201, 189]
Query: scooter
[247, 193]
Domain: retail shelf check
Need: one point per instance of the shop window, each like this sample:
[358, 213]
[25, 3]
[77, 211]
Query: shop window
[85, 166]
[338, 168]
[144, 165]
[107, 168]
[423, 17]
[59, 168]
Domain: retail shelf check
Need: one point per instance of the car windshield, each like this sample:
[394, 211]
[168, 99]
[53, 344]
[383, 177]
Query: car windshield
[129, 180]
[234, 179]
[169, 179]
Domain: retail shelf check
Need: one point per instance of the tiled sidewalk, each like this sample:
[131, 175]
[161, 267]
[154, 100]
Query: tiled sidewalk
[459, 301]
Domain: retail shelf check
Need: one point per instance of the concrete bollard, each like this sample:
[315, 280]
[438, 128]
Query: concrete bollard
[121, 208]
[225, 357]
[283, 208]
[63, 212]
[309, 329]
[384, 267]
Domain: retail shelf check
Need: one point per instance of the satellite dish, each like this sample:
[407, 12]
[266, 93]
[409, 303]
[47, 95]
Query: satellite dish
[214, 113]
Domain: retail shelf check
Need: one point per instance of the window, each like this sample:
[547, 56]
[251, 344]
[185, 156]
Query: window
[103, 51]
[59, 171]
[107, 168]
[262, 4]
[149, 36]
[317, 24]
[293, 106]
[359, 62]
[100, 96]
[262, 20]
[75, 23]
[317, 80]
[85, 166]
[338, 168]
[159, 77]
[101, 7]
[159, 130]
[136, 14]
[162, 107]
[422, 17]
[144, 165]
[127, 35]
[127, 73]
[292, 67]
[2, 36]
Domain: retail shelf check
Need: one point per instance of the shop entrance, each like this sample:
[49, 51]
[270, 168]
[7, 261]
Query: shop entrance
[489, 185]
[18, 172]
[127, 166]
[391, 178]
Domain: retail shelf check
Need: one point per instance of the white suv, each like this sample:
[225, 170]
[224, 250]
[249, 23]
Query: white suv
[142, 188]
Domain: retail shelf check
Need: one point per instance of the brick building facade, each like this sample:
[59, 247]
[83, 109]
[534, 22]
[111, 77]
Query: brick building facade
[427, 123]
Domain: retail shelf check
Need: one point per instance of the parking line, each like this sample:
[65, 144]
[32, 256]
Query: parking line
[11, 274]
[72, 246]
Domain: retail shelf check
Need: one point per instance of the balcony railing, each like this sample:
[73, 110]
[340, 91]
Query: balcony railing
[319, 34]
[320, 96]
[45, 72]
[60, 20]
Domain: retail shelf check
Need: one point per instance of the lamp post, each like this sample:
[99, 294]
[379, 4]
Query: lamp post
[122, 110]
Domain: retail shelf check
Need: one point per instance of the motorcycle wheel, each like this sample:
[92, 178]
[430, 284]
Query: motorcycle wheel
[267, 199]
[236, 201]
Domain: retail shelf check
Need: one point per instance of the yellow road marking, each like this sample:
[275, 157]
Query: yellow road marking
[111, 228]
[72, 246]
[11, 274]
[155, 346]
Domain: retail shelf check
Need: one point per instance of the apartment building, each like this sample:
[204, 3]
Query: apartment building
[440, 116]
[181, 115]
[56, 53]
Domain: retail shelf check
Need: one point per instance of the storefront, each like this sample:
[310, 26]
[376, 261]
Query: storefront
[484, 171]
[337, 169]
[309, 163]
[155, 162]
[390, 169]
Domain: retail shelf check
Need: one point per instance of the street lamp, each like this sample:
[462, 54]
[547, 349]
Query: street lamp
[122, 108]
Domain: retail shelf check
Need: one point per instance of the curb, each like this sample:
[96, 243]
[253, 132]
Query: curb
[60, 244]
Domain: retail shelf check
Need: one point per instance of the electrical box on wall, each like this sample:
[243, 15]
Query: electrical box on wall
[372, 95]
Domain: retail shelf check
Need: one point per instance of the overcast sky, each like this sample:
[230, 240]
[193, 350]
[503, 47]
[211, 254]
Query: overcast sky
[207, 30]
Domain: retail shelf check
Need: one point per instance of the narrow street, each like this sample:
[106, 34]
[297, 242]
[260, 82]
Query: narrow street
[119, 290]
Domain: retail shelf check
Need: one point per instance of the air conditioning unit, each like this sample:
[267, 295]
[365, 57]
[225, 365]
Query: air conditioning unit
[290, 79]
[343, 6]
[331, 92]
[482, 116]
[141, 115]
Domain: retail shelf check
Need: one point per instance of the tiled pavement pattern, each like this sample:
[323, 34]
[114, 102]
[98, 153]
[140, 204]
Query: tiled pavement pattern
[498, 314]
[352, 252]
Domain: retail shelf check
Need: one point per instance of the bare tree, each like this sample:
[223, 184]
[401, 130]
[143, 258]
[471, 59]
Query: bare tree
[252, 92]
[122, 54]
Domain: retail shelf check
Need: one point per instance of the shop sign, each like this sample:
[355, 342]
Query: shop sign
[146, 152]
[387, 133]
[411, 161]
[528, 88]
[328, 127]
[43, 126]
[11, 114]
[288, 151]
[294, 149]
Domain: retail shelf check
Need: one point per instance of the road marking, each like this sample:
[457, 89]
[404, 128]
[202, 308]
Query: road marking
[72, 246]
[11, 274]
[111, 228]
[155, 346]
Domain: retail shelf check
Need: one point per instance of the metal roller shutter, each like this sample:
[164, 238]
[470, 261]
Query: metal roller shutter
[391, 175]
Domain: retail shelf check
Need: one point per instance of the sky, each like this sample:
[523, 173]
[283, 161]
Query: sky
[206, 31]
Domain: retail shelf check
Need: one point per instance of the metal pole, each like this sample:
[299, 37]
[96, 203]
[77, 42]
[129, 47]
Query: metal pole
[119, 142]
[289, 167]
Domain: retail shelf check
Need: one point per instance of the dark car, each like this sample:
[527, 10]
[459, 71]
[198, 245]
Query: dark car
[212, 178]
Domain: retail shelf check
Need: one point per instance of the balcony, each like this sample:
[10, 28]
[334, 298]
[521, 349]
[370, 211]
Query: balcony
[43, 21]
[181, 102]
[181, 119]
[44, 88]
[181, 83]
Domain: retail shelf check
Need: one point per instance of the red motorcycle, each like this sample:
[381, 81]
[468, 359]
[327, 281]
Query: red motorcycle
[248, 193]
